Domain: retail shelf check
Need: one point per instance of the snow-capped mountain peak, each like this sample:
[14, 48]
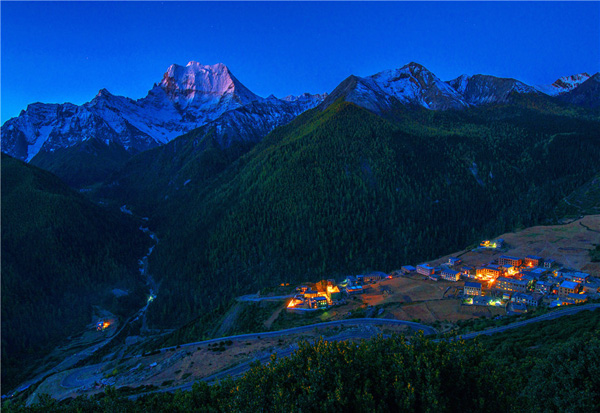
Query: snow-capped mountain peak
[186, 98]
[564, 84]
[572, 81]
[104, 93]
[413, 83]
[199, 85]
[486, 89]
[460, 83]
[587, 94]
[306, 98]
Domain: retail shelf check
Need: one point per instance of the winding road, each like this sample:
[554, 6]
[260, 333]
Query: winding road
[549, 316]
[242, 368]
[427, 330]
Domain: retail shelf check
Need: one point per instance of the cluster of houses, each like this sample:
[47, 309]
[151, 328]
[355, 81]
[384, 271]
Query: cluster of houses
[512, 282]
[316, 296]
[326, 293]
[487, 244]
[518, 282]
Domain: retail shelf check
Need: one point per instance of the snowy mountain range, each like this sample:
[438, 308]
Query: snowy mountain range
[186, 98]
[195, 95]
[413, 84]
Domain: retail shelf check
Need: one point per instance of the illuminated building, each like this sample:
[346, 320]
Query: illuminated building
[318, 302]
[577, 298]
[568, 287]
[333, 293]
[468, 271]
[506, 259]
[295, 302]
[354, 289]
[311, 293]
[450, 275]
[532, 300]
[543, 287]
[370, 278]
[472, 288]
[532, 261]
[454, 261]
[489, 271]
[425, 269]
[512, 285]
[578, 277]
[102, 325]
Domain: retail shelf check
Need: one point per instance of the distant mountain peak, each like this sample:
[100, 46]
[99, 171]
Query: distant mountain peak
[305, 97]
[563, 84]
[415, 84]
[199, 85]
[103, 92]
[571, 81]
[486, 89]
[415, 65]
[586, 94]
[186, 98]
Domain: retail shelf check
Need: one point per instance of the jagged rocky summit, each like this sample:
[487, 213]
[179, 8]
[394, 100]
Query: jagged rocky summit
[186, 98]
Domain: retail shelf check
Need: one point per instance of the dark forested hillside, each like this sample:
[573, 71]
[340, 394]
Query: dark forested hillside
[343, 190]
[86, 163]
[61, 254]
[173, 170]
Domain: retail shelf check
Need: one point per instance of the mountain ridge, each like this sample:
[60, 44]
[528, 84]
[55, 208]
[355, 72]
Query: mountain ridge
[415, 85]
[193, 96]
[186, 98]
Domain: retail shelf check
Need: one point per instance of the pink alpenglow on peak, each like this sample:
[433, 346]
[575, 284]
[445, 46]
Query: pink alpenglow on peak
[186, 98]
[200, 85]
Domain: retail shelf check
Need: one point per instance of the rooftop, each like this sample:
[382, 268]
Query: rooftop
[512, 281]
[509, 257]
[569, 285]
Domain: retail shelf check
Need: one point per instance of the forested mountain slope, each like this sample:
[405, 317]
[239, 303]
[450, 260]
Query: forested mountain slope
[343, 190]
[85, 163]
[61, 254]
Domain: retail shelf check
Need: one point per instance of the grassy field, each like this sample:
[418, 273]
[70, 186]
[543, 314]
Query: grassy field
[568, 244]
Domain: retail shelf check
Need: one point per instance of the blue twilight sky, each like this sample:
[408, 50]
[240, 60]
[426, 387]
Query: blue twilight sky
[67, 51]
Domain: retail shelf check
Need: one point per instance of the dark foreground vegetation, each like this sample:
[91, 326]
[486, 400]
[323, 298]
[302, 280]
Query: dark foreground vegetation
[551, 368]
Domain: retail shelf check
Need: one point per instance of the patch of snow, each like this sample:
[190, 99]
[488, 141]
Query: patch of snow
[125, 210]
[34, 148]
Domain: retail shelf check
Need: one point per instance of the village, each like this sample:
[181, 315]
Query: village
[487, 285]
[517, 284]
